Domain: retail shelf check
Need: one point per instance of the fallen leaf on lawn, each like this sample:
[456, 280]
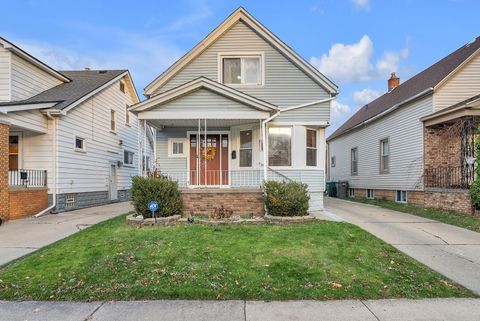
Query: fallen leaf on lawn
[218, 296]
[336, 285]
[392, 262]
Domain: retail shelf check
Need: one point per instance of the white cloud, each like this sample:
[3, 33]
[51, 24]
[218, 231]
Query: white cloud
[346, 63]
[365, 96]
[362, 4]
[338, 111]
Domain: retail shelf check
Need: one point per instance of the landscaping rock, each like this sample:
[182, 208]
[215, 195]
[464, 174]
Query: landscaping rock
[289, 219]
[139, 221]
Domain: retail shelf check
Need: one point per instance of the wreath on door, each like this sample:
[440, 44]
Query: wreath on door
[210, 153]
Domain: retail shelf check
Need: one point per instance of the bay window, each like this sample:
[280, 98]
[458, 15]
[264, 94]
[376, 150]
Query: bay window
[311, 147]
[280, 146]
[246, 148]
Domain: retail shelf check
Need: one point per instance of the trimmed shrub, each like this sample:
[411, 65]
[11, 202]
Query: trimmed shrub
[286, 199]
[161, 190]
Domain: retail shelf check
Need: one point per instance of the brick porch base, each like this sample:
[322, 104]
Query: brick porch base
[27, 201]
[239, 201]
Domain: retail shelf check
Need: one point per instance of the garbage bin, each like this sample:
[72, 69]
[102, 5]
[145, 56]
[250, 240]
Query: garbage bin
[342, 189]
[332, 189]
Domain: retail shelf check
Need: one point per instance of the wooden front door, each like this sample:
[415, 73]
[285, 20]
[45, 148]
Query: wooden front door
[209, 160]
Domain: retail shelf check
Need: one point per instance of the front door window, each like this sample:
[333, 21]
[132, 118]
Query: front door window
[13, 152]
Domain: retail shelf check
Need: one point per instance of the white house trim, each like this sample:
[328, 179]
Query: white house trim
[21, 107]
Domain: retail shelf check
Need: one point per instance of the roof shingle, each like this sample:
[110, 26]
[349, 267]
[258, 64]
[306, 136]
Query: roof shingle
[422, 81]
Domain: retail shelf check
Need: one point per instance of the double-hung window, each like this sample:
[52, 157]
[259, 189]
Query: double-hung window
[311, 147]
[280, 146]
[246, 148]
[244, 70]
[113, 122]
[384, 156]
[177, 147]
[127, 115]
[354, 161]
[128, 157]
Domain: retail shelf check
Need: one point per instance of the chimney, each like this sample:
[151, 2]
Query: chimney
[393, 82]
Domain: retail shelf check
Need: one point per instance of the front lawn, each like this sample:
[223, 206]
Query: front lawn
[458, 219]
[325, 260]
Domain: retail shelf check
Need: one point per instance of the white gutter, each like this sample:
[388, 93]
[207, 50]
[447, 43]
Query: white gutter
[264, 128]
[389, 110]
[54, 195]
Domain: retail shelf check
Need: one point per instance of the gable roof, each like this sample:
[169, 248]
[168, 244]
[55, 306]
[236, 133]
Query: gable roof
[422, 82]
[242, 15]
[83, 84]
[203, 82]
[23, 54]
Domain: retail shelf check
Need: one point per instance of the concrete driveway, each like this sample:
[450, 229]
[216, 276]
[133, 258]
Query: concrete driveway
[23, 236]
[449, 250]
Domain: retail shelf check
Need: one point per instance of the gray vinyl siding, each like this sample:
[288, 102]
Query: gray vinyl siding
[203, 99]
[4, 74]
[29, 80]
[404, 130]
[285, 84]
[465, 83]
[314, 113]
[165, 163]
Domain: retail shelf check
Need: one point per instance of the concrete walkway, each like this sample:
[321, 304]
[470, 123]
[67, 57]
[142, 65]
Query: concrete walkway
[351, 310]
[447, 249]
[23, 236]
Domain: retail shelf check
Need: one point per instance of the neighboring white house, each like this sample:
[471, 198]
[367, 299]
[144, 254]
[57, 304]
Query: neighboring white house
[70, 130]
[260, 107]
[416, 142]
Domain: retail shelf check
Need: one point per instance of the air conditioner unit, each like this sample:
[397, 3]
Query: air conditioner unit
[119, 163]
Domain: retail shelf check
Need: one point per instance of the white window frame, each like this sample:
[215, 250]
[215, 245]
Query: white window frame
[292, 147]
[314, 148]
[353, 173]
[333, 161]
[172, 141]
[133, 158]
[84, 144]
[382, 169]
[240, 147]
[400, 192]
[351, 192]
[370, 197]
[128, 115]
[259, 54]
[113, 120]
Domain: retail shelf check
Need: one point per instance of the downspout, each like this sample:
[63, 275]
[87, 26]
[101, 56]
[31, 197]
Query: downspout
[269, 119]
[54, 141]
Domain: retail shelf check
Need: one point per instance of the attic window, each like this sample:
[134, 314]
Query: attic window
[122, 87]
[242, 70]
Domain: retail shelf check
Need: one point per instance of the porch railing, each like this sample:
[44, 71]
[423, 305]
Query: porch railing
[237, 178]
[27, 178]
[460, 177]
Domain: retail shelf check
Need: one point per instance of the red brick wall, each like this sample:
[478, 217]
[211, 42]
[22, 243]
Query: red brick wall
[4, 195]
[452, 200]
[27, 201]
[239, 202]
[442, 146]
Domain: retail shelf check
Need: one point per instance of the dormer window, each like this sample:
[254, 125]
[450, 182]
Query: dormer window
[241, 70]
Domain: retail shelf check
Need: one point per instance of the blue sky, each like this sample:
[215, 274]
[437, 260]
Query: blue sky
[357, 43]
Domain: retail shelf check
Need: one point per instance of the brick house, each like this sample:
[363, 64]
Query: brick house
[67, 139]
[415, 144]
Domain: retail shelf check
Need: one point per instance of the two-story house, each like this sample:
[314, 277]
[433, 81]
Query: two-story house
[416, 143]
[67, 139]
[240, 108]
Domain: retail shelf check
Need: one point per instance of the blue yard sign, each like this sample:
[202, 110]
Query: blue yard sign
[153, 207]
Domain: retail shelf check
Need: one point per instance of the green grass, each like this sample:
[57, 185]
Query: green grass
[325, 260]
[453, 218]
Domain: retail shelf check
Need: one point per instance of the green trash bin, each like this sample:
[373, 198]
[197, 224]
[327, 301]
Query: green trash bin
[332, 189]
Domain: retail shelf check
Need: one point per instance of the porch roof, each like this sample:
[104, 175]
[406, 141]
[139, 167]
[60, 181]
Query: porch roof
[468, 107]
[167, 105]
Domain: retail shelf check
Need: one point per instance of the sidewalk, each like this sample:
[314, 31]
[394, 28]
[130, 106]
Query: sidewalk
[354, 310]
[23, 236]
[447, 249]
